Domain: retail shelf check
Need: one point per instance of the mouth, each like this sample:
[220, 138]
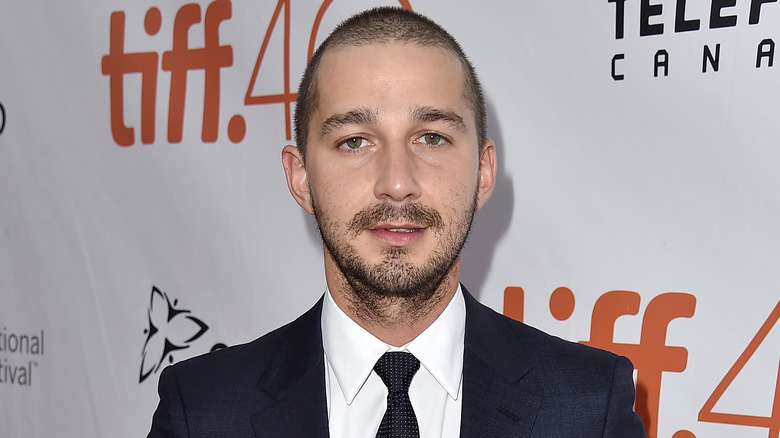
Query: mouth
[410, 219]
[398, 226]
[397, 235]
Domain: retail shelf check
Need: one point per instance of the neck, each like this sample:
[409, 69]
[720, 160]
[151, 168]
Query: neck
[394, 320]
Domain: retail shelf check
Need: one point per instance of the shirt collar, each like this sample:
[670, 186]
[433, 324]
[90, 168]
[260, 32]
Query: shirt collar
[352, 351]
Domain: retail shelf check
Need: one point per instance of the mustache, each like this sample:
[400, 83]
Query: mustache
[419, 215]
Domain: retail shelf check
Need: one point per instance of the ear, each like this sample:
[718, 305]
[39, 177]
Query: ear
[297, 180]
[486, 179]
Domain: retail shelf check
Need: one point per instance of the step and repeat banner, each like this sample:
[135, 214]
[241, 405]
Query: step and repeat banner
[144, 217]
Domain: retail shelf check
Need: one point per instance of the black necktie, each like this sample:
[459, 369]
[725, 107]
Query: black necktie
[396, 369]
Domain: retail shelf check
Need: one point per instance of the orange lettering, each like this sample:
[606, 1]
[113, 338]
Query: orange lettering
[286, 97]
[772, 422]
[514, 298]
[116, 65]
[210, 58]
[651, 357]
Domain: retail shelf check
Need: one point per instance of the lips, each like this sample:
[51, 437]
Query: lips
[397, 235]
[406, 219]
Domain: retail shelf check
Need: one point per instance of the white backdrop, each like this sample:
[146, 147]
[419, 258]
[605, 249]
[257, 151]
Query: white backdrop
[116, 260]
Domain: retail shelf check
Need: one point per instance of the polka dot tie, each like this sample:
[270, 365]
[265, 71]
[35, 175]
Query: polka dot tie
[396, 368]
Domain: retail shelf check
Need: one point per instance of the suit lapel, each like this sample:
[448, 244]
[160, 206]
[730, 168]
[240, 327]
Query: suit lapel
[499, 394]
[500, 397]
[294, 384]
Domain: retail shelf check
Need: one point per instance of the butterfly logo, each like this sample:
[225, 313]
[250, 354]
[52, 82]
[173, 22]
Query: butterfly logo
[171, 329]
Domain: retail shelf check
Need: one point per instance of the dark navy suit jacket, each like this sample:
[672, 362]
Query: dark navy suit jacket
[518, 382]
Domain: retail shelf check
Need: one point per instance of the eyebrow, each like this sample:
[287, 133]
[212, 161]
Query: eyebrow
[369, 116]
[430, 114]
[359, 116]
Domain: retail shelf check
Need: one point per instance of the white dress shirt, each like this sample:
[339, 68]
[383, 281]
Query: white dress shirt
[356, 395]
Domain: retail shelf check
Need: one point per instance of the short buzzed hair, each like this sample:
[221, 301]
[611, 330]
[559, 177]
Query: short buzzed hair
[385, 25]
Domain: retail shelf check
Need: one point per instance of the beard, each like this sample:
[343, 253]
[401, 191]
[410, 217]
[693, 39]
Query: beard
[395, 278]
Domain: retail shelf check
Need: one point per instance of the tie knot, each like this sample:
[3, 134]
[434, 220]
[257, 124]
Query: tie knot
[396, 368]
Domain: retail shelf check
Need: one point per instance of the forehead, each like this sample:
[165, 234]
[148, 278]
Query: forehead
[390, 77]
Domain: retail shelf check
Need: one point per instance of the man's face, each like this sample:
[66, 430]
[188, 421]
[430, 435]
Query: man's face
[393, 172]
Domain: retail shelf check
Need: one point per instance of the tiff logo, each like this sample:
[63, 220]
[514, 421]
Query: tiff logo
[651, 356]
[180, 60]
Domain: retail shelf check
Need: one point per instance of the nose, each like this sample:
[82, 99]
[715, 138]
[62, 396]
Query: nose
[397, 172]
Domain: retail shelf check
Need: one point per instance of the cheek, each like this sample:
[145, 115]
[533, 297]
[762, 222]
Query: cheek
[340, 195]
[454, 197]
[455, 184]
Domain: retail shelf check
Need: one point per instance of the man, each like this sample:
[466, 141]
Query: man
[393, 161]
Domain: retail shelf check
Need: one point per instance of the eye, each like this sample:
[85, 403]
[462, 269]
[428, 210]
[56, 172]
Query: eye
[354, 142]
[433, 139]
